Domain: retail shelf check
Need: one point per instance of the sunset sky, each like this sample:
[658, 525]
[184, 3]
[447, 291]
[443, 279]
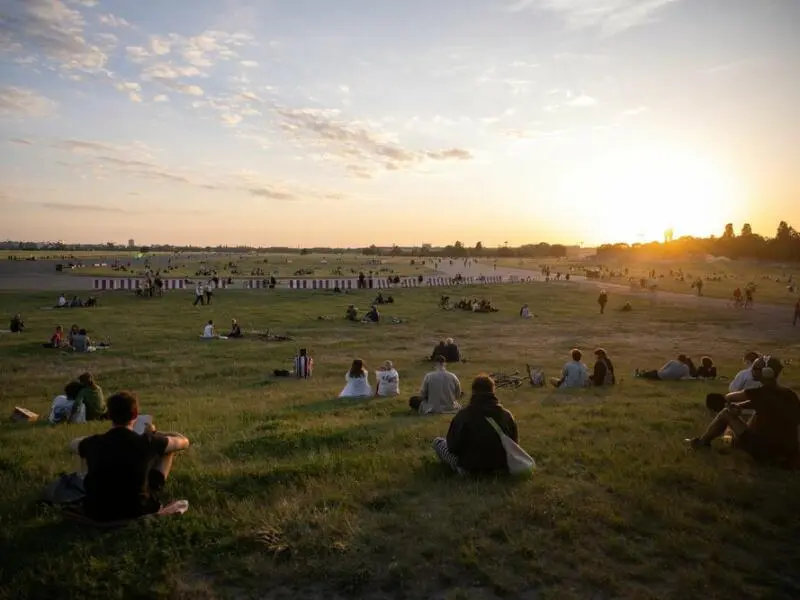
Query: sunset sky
[351, 122]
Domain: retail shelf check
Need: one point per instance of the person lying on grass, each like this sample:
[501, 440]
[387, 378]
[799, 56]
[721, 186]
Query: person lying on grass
[125, 471]
[439, 393]
[357, 379]
[575, 374]
[771, 436]
[674, 370]
[17, 325]
[90, 396]
[472, 446]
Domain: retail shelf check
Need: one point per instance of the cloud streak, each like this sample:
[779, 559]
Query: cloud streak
[610, 17]
[23, 102]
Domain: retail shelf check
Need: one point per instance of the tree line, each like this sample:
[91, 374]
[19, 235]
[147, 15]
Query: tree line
[784, 246]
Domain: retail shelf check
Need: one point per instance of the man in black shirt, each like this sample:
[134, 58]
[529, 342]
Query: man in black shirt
[125, 469]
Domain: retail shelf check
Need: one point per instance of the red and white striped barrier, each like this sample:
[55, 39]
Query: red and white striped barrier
[121, 283]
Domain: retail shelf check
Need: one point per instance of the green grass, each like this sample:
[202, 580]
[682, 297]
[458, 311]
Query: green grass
[296, 494]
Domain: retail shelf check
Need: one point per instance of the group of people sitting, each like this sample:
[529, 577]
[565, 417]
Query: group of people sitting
[210, 333]
[81, 401]
[682, 367]
[76, 302]
[77, 339]
[387, 381]
[372, 315]
[575, 374]
[448, 349]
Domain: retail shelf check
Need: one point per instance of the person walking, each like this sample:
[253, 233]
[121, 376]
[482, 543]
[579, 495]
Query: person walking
[602, 300]
[198, 295]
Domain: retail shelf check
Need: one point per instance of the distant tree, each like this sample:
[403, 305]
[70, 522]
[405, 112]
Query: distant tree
[479, 246]
[304, 252]
[785, 232]
[144, 249]
[747, 230]
[729, 234]
[458, 245]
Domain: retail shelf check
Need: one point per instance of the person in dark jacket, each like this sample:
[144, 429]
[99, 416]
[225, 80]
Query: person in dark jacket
[603, 373]
[472, 445]
[707, 369]
[451, 352]
[438, 350]
[17, 324]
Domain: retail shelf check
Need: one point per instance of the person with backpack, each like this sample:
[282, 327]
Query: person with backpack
[603, 372]
[473, 445]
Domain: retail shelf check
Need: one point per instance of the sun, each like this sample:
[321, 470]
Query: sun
[636, 195]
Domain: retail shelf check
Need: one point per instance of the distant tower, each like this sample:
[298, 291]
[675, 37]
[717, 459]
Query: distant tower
[131, 243]
[668, 236]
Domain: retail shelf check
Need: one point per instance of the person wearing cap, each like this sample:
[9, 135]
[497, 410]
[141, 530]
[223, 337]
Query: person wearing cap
[388, 381]
[771, 436]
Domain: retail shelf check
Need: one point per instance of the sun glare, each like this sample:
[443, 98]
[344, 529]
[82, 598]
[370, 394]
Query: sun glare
[636, 196]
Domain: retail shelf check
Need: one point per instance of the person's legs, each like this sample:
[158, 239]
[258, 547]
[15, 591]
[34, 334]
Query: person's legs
[721, 422]
[652, 375]
[445, 456]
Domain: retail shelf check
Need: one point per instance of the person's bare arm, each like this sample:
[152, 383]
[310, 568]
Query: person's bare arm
[738, 398]
[176, 442]
[74, 444]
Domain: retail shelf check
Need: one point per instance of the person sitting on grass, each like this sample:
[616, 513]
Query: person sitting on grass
[438, 350]
[76, 302]
[626, 307]
[439, 393]
[707, 369]
[61, 409]
[575, 374]
[744, 379]
[62, 301]
[236, 331]
[81, 342]
[603, 373]
[73, 331]
[208, 331]
[388, 383]
[796, 313]
[525, 312]
[57, 339]
[357, 379]
[674, 370]
[452, 353]
[90, 396]
[472, 445]
[771, 436]
[17, 325]
[125, 471]
[352, 313]
[373, 316]
[303, 365]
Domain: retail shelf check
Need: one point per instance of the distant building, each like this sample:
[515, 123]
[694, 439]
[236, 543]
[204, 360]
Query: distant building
[131, 243]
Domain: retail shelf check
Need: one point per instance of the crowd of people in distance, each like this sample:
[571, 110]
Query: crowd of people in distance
[76, 302]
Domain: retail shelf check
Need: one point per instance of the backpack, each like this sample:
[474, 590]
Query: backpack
[66, 490]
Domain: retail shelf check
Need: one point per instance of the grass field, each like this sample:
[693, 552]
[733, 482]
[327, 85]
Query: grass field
[296, 494]
[277, 265]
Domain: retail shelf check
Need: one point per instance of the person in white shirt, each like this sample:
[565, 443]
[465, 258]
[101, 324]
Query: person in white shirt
[525, 312]
[388, 381]
[62, 301]
[575, 374]
[208, 331]
[357, 379]
[744, 378]
[199, 298]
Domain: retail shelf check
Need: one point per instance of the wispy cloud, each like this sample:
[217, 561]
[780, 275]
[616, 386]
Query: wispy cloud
[51, 31]
[114, 21]
[23, 102]
[582, 101]
[609, 16]
[93, 208]
[347, 140]
[20, 141]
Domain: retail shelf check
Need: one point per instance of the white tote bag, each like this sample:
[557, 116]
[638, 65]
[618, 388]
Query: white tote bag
[517, 459]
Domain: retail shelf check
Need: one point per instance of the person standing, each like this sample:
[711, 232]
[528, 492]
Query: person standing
[198, 295]
[602, 300]
[209, 292]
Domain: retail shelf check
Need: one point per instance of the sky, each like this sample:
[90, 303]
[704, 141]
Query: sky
[353, 122]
